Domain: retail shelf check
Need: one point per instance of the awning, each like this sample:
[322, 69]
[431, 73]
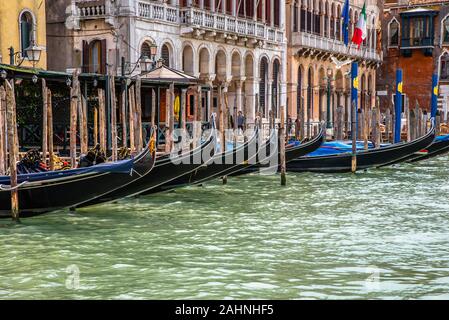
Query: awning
[165, 74]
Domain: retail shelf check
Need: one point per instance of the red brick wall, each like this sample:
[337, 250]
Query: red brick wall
[417, 74]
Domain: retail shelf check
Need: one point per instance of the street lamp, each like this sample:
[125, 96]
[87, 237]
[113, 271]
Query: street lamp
[149, 63]
[32, 54]
[146, 64]
[328, 115]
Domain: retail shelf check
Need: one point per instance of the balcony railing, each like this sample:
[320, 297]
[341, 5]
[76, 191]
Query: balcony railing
[92, 9]
[418, 42]
[211, 21]
[322, 43]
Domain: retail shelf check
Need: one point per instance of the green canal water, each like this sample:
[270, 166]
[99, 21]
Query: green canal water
[378, 234]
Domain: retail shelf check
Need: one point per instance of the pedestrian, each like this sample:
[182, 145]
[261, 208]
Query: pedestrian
[297, 126]
[241, 121]
[289, 126]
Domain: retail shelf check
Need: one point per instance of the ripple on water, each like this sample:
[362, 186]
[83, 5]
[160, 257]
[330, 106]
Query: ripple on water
[376, 234]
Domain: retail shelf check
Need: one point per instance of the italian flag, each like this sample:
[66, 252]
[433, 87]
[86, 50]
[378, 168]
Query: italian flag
[360, 29]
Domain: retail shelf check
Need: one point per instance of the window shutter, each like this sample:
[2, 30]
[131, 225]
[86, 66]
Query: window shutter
[25, 36]
[85, 63]
[103, 56]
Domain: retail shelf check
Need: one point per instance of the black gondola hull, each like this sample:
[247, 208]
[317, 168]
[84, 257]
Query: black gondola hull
[164, 171]
[220, 165]
[365, 159]
[290, 153]
[436, 149]
[39, 197]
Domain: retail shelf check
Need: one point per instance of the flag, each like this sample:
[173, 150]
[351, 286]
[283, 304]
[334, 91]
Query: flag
[360, 29]
[345, 17]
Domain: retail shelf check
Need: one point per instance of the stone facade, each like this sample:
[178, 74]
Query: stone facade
[227, 43]
[314, 40]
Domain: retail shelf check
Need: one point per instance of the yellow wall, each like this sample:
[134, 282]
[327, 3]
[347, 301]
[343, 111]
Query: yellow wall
[9, 28]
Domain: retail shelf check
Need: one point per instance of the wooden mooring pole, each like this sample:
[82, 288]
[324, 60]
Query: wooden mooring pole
[73, 118]
[225, 126]
[13, 154]
[102, 118]
[50, 130]
[114, 137]
[132, 115]
[282, 147]
[123, 116]
[3, 152]
[44, 121]
[138, 128]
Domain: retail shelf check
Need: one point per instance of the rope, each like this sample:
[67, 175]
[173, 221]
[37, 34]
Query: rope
[3, 188]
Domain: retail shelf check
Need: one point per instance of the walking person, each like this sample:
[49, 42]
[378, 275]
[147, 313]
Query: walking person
[240, 122]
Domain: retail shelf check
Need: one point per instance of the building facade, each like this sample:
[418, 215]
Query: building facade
[315, 47]
[415, 38]
[238, 45]
[22, 24]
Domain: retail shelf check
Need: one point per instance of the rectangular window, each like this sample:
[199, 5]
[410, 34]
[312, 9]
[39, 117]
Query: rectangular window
[295, 19]
[303, 20]
[317, 27]
[309, 21]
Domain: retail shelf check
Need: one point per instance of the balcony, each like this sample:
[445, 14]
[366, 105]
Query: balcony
[332, 46]
[93, 9]
[209, 21]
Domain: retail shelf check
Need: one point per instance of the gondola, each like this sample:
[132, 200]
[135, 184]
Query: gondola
[53, 190]
[165, 170]
[370, 158]
[292, 152]
[438, 147]
[219, 165]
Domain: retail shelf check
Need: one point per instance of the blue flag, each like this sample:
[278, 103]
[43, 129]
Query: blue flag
[345, 17]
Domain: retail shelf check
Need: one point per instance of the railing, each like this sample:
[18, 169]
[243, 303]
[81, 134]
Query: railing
[426, 42]
[207, 20]
[332, 45]
[92, 9]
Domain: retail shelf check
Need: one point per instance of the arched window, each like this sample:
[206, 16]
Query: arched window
[94, 56]
[145, 50]
[309, 17]
[303, 17]
[393, 32]
[338, 23]
[26, 31]
[444, 70]
[318, 11]
[332, 20]
[299, 92]
[446, 31]
[326, 20]
[263, 75]
[295, 17]
[310, 92]
[165, 55]
[275, 88]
